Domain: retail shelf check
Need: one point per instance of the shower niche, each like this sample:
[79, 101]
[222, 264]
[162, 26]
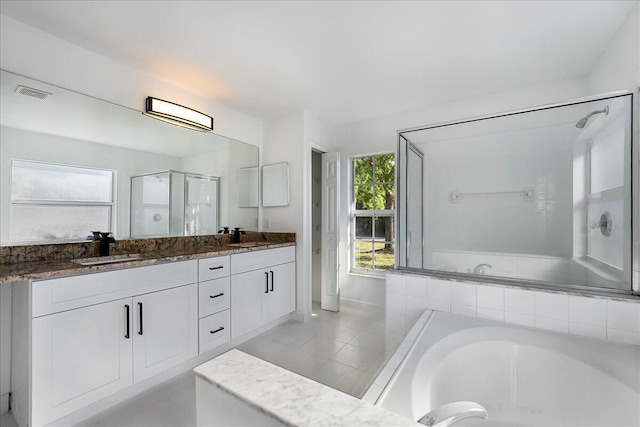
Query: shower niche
[172, 203]
[541, 196]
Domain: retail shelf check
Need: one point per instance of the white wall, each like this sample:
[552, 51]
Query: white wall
[41, 56]
[380, 135]
[290, 139]
[618, 68]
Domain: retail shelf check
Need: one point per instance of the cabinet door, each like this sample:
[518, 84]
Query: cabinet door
[282, 292]
[248, 301]
[79, 357]
[165, 330]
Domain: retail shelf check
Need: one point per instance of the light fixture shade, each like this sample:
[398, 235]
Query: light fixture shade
[178, 115]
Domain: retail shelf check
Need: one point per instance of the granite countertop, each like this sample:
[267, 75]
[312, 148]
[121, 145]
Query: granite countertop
[59, 268]
[290, 398]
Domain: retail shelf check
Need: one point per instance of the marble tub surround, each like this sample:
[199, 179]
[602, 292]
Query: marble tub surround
[48, 261]
[289, 398]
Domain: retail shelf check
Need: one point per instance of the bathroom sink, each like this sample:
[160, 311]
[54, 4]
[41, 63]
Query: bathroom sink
[248, 244]
[107, 259]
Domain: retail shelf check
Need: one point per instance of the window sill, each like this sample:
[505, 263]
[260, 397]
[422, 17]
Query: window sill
[368, 274]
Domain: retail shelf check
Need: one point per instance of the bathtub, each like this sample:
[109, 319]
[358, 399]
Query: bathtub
[523, 377]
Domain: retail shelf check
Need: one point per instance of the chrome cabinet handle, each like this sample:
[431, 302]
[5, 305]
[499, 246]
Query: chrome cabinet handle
[216, 296]
[217, 330]
[126, 316]
[140, 314]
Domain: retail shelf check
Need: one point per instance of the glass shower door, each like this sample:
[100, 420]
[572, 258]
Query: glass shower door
[201, 205]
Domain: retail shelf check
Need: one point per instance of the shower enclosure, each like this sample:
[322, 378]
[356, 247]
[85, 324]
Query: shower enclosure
[541, 197]
[174, 203]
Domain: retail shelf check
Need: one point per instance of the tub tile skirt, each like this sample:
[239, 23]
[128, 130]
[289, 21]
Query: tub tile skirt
[596, 317]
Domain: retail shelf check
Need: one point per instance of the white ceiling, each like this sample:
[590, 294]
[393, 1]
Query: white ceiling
[345, 61]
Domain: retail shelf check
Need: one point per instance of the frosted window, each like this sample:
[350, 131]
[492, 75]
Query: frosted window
[38, 223]
[51, 203]
[607, 159]
[44, 181]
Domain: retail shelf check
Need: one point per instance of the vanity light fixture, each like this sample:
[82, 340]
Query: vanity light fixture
[178, 115]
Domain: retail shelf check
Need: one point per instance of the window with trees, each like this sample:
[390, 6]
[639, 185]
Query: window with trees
[373, 213]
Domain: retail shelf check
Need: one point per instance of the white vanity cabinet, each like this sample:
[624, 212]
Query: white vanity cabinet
[79, 357]
[214, 301]
[263, 288]
[100, 343]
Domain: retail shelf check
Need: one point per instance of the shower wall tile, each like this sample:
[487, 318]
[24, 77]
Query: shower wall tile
[396, 284]
[415, 306]
[396, 304]
[591, 317]
[439, 290]
[416, 287]
[623, 315]
[463, 294]
[394, 323]
[591, 311]
[519, 301]
[552, 306]
[491, 297]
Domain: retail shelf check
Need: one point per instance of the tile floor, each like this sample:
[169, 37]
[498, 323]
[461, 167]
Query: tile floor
[343, 350]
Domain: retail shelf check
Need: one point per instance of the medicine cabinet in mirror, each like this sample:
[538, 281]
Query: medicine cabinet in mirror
[75, 136]
[275, 185]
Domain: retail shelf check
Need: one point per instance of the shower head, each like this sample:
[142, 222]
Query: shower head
[583, 121]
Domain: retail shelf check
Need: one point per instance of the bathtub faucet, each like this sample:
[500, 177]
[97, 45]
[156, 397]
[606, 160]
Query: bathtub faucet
[450, 413]
[481, 268]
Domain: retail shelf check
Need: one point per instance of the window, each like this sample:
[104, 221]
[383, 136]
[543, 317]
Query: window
[51, 203]
[373, 213]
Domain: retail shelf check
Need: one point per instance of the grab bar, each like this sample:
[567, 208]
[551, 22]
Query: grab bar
[450, 413]
[527, 193]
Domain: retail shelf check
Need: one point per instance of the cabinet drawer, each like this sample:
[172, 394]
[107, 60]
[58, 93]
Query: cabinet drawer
[214, 296]
[55, 295]
[215, 330]
[213, 268]
[257, 260]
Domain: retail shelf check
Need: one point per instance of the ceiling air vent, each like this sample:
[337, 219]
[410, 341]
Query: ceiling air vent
[29, 91]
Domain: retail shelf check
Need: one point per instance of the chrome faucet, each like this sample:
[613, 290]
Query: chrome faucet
[481, 268]
[453, 412]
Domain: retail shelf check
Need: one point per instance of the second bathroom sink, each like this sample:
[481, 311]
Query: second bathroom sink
[107, 259]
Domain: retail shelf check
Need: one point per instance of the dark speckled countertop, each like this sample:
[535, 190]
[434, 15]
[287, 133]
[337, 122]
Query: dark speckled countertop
[52, 268]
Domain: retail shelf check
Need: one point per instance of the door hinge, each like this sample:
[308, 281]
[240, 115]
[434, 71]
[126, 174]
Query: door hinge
[9, 404]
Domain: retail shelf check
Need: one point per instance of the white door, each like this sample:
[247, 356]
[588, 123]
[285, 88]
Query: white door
[165, 330]
[79, 357]
[330, 283]
[249, 301]
[282, 291]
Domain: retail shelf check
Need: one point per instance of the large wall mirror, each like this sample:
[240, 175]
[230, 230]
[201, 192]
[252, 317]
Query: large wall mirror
[67, 161]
